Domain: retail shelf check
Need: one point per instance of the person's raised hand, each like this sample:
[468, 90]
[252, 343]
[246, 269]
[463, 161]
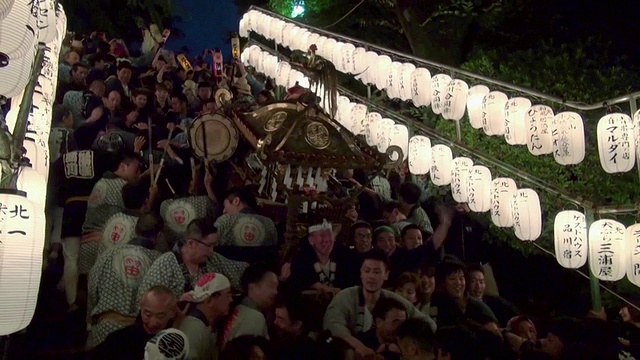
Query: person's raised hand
[138, 143]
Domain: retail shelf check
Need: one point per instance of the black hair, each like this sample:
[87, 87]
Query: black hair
[377, 255]
[85, 135]
[96, 57]
[384, 305]
[134, 195]
[410, 193]
[124, 65]
[181, 97]
[244, 194]
[448, 267]
[78, 65]
[200, 228]
[358, 225]
[253, 274]
[407, 228]
[419, 331]
[389, 206]
[59, 113]
[205, 84]
[149, 225]
[241, 347]
[295, 305]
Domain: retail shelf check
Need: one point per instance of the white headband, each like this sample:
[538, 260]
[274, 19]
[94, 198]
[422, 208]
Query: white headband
[325, 225]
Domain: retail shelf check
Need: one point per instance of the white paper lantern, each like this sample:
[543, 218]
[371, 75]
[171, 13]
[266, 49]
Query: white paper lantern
[567, 131]
[265, 24]
[343, 115]
[616, 145]
[442, 165]
[37, 151]
[479, 188]
[399, 136]
[243, 27]
[570, 239]
[493, 112]
[383, 129]
[474, 105]
[282, 73]
[285, 34]
[19, 31]
[420, 156]
[327, 48]
[32, 183]
[370, 128]
[47, 21]
[502, 190]
[439, 85]
[371, 73]
[360, 64]
[527, 214]
[455, 101]
[404, 84]
[313, 39]
[382, 65]
[608, 255]
[336, 56]
[20, 261]
[275, 31]
[393, 80]
[421, 87]
[5, 7]
[15, 76]
[632, 237]
[347, 62]
[538, 121]
[253, 16]
[358, 119]
[636, 132]
[515, 131]
[303, 40]
[459, 178]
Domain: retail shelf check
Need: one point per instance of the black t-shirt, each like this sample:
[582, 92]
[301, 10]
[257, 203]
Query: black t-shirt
[76, 173]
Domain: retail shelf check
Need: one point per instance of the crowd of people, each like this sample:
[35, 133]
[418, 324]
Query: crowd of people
[164, 268]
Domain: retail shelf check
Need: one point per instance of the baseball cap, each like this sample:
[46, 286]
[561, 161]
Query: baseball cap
[168, 344]
[209, 284]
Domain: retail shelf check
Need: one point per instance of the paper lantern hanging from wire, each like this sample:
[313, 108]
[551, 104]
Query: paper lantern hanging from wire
[47, 21]
[243, 27]
[345, 106]
[399, 137]
[474, 105]
[347, 62]
[393, 80]
[616, 145]
[515, 131]
[5, 8]
[442, 165]
[358, 118]
[360, 64]
[459, 178]
[19, 32]
[370, 127]
[632, 239]
[570, 239]
[420, 156]
[31, 182]
[455, 101]
[479, 188]
[327, 48]
[439, 85]
[538, 122]
[567, 131]
[383, 129]
[336, 56]
[21, 261]
[527, 214]
[371, 71]
[502, 190]
[421, 87]
[404, 85]
[608, 255]
[382, 65]
[37, 151]
[15, 76]
[493, 105]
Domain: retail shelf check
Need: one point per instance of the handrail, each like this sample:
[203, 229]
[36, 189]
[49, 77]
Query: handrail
[535, 93]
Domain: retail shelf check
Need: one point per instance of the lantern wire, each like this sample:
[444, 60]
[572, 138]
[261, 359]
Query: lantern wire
[588, 278]
[345, 15]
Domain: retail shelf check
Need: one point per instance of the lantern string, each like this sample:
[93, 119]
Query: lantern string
[345, 15]
[588, 278]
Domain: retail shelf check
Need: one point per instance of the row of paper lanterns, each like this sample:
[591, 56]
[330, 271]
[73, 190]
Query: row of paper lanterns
[474, 185]
[24, 26]
[510, 206]
[613, 251]
[516, 119]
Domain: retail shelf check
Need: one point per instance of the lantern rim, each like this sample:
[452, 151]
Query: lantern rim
[13, 192]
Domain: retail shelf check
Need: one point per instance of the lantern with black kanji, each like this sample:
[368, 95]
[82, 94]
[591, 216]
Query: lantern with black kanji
[382, 65]
[370, 128]
[616, 143]
[442, 165]
[399, 136]
[527, 214]
[455, 101]
[479, 188]
[420, 157]
[421, 87]
[632, 236]
[538, 122]
[608, 255]
[567, 131]
[394, 72]
[439, 85]
[459, 178]
[493, 105]
[515, 131]
[570, 239]
[474, 105]
[502, 190]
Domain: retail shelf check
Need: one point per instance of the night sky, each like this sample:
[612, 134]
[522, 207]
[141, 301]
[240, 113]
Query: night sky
[208, 25]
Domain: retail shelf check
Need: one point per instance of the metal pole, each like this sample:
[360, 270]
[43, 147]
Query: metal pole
[617, 209]
[594, 283]
[633, 107]
[458, 132]
[459, 72]
[20, 129]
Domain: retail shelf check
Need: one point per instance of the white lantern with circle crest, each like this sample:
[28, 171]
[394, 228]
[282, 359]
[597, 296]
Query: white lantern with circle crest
[479, 188]
[616, 145]
[32, 183]
[459, 178]
[527, 214]
[474, 105]
[608, 257]
[19, 31]
[421, 87]
[5, 8]
[439, 85]
[493, 105]
[399, 137]
[358, 119]
[632, 236]
[15, 76]
[502, 190]
[370, 128]
[383, 129]
[515, 131]
[420, 156]
[47, 20]
[383, 63]
[21, 246]
[567, 132]
[570, 239]
[455, 101]
[538, 122]
[442, 165]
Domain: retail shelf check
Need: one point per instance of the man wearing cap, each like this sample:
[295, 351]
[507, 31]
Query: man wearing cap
[323, 266]
[210, 301]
